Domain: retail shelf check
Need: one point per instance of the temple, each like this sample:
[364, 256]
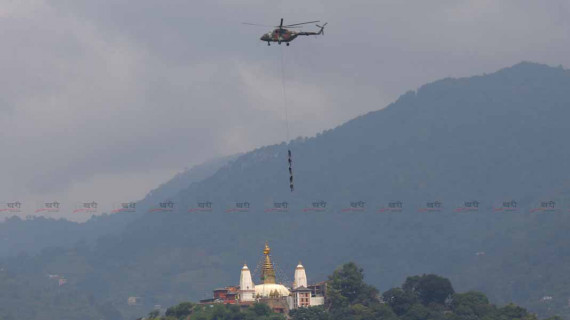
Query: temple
[276, 295]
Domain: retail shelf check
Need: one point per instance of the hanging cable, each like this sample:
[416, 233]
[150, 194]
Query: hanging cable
[284, 95]
[289, 155]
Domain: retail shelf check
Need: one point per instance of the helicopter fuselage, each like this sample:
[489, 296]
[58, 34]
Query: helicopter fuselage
[279, 35]
[282, 34]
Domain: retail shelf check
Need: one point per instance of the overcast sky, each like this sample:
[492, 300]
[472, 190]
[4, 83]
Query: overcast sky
[104, 100]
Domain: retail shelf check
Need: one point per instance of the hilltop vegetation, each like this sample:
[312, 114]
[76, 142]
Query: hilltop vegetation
[425, 297]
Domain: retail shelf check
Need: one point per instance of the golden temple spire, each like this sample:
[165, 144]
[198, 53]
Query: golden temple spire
[267, 273]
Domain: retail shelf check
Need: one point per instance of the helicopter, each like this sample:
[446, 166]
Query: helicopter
[282, 34]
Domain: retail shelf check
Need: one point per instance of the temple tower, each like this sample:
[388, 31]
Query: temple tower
[300, 277]
[267, 272]
[246, 286]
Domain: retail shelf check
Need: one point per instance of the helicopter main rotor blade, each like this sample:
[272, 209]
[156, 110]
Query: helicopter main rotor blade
[298, 24]
[258, 25]
[287, 27]
[281, 24]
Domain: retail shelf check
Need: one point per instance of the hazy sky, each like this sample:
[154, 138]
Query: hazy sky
[104, 100]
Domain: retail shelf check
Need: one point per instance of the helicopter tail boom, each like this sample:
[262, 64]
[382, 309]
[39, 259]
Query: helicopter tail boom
[320, 32]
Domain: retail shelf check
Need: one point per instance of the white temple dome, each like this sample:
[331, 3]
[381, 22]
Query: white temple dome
[265, 290]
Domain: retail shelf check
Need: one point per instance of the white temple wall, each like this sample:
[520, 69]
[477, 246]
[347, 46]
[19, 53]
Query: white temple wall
[317, 301]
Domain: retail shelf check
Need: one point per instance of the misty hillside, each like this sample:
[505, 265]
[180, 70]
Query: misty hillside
[30, 236]
[487, 138]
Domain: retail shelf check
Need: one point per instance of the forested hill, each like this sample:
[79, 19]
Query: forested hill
[487, 138]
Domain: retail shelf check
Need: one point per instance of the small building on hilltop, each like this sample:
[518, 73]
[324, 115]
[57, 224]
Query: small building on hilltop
[277, 296]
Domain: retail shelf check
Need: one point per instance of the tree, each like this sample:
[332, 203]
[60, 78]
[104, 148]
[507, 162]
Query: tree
[310, 313]
[375, 311]
[261, 309]
[514, 312]
[399, 300]
[429, 288]
[471, 305]
[346, 286]
[417, 312]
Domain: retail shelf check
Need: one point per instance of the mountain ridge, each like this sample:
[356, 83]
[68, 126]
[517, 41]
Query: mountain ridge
[487, 138]
[399, 113]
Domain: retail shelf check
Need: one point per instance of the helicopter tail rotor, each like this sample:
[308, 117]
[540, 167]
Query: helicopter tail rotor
[322, 31]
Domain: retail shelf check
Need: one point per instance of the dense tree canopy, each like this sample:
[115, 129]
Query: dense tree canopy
[347, 287]
[422, 297]
[429, 288]
[188, 310]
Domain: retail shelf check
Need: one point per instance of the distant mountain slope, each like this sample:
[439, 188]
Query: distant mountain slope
[183, 180]
[486, 138]
[30, 236]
